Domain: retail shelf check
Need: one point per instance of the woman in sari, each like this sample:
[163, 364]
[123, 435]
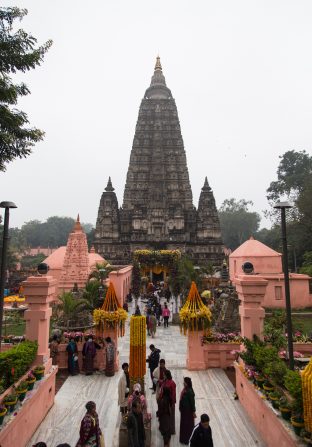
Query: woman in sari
[110, 357]
[187, 410]
[72, 353]
[90, 432]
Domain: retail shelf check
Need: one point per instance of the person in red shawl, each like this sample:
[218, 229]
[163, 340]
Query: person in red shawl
[90, 432]
[187, 411]
[88, 354]
[171, 385]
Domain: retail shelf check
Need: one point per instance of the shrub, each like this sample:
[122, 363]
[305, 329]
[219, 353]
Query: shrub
[293, 384]
[264, 355]
[16, 361]
[276, 370]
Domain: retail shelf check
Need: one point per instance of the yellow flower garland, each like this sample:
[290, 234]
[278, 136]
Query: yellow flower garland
[137, 366]
[306, 377]
[111, 314]
[194, 315]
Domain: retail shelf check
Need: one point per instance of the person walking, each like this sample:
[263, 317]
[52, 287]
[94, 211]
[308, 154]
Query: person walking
[90, 432]
[124, 388]
[166, 315]
[164, 416]
[72, 357]
[110, 357]
[135, 425]
[159, 376]
[187, 411]
[153, 361]
[152, 323]
[171, 385]
[202, 435]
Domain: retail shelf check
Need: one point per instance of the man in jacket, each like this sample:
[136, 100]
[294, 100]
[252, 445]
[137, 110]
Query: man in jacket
[202, 436]
[153, 362]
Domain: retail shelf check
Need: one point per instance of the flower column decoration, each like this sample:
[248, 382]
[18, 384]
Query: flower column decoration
[194, 315]
[111, 315]
[306, 377]
[195, 320]
[137, 367]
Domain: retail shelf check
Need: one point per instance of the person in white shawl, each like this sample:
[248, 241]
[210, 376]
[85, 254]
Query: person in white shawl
[124, 388]
[158, 376]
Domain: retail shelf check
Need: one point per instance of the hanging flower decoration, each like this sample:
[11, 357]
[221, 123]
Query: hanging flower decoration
[137, 366]
[111, 314]
[194, 315]
[306, 377]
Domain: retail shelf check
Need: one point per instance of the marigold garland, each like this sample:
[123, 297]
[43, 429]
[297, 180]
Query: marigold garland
[137, 366]
[194, 315]
[111, 314]
[306, 377]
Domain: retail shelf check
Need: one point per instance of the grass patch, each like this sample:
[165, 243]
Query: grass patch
[14, 329]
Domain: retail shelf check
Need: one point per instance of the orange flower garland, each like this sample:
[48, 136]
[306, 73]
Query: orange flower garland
[137, 367]
[194, 315]
[111, 314]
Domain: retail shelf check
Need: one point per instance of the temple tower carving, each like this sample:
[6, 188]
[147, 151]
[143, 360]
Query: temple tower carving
[157, 210]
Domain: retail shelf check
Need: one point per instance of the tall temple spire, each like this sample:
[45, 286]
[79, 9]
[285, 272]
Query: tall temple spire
[109, 186]
[77, 227]
[206, 186]
[158, 64]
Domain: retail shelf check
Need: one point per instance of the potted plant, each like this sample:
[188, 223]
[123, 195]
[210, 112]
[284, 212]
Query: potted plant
[21, 390]
[274, 397]
[38, 372]
[307, 436]
[284, 407]
[259, 380]
[31, 379]
[268, 387]
[10, 401]
[3, 412]
[293, 384]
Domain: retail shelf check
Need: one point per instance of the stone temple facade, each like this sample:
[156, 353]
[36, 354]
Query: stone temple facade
[158, 211]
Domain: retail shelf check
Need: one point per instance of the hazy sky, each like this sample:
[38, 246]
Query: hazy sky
[239, 70]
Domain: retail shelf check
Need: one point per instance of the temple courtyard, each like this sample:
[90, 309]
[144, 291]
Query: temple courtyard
[214, 395]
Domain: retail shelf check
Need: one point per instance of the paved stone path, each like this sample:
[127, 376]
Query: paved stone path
[214, 395]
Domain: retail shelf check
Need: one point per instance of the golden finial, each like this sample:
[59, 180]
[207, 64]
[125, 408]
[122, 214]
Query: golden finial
[158, 64]
[77, 226]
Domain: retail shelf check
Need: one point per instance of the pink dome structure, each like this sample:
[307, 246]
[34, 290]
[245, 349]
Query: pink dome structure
[268, 265]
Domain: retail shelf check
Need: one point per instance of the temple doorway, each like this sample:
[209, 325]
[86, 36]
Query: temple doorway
[158, 277]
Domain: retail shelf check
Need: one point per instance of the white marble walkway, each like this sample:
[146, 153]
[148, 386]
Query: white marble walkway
[214, 395]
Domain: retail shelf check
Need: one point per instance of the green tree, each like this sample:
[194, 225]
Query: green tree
[237, 222]
[307, 263]
[70, 308]
[18, 53]
[292, 172]
[92, 294]
[32, 261]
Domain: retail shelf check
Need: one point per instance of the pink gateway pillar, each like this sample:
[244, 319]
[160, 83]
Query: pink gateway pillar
[251, 290]
[39, 292]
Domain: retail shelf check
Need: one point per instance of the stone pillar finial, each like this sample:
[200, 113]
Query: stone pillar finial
[39, 292]
[251, 290]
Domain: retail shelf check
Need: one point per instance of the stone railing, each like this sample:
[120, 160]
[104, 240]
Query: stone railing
[19, 426]
[218, 355]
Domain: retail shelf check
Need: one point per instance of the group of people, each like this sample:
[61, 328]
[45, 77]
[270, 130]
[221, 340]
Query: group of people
[89, 352]
[164, 387]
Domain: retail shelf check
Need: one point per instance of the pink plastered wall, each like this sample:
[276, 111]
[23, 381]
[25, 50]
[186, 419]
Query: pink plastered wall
[270, 269]
[19, 430]
[271, 427]
[121, 280]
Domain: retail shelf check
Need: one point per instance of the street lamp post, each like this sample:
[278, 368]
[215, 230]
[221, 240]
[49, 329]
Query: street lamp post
[283, 206]
[6, 206]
